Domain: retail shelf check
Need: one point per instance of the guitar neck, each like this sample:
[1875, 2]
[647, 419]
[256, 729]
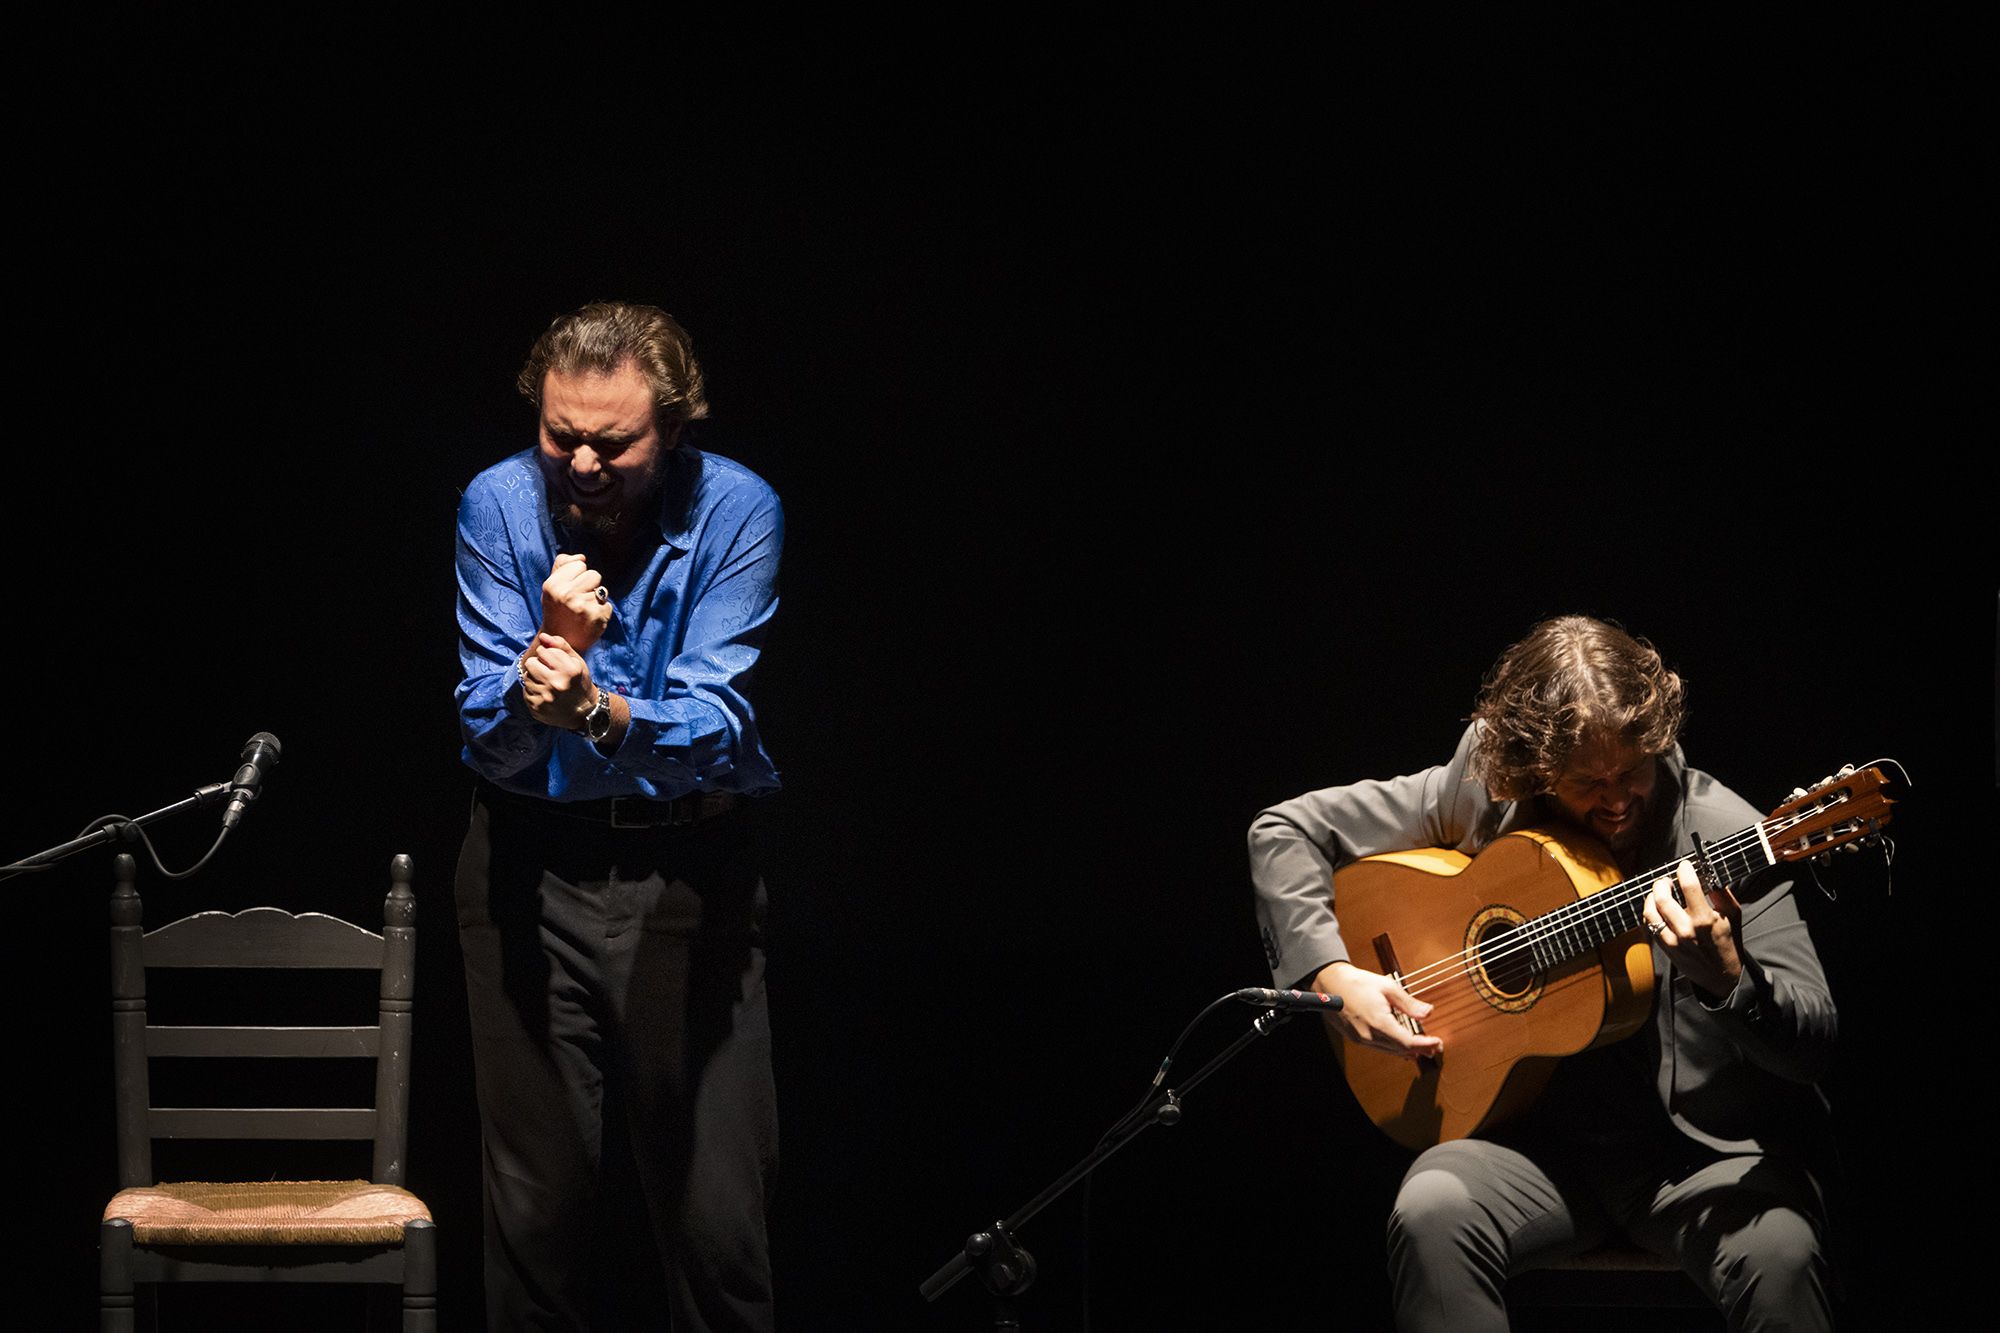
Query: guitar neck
[1579, 927]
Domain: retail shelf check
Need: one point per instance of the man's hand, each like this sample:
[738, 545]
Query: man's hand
[556, 683]
[1370, 1009]
[1701, 936]
[571, 610]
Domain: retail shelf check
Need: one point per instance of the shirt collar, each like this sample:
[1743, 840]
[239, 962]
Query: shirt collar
[678, 485]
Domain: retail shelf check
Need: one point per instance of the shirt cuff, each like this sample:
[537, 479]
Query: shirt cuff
[514, 695]
[1744, 999]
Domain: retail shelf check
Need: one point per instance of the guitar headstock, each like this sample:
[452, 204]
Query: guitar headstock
[1841, 810]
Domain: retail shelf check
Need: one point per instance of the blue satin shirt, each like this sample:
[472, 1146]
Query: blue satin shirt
[687, 624]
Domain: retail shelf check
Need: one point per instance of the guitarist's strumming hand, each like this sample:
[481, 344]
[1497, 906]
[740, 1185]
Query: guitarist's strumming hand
[1699, 937]
[1372, 1008]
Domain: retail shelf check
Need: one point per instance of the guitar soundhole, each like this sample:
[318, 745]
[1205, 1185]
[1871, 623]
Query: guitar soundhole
[1503, 969]
[1506, 968]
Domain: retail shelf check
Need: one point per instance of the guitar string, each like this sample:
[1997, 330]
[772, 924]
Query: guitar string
[1618, 898]
[1611, 900]
[1435, 975]
[1606, 902]
[1614, 901]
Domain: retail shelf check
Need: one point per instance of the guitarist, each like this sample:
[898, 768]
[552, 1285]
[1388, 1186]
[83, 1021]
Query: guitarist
[1695, 1137]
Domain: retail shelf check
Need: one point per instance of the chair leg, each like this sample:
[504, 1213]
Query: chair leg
[115, 1301]
[420, 1278]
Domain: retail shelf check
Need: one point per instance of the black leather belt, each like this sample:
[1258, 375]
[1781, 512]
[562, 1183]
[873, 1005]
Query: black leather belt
[624, 812]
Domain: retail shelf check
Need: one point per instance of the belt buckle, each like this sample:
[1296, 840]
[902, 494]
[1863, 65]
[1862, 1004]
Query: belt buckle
[649, 813]
[638, 805]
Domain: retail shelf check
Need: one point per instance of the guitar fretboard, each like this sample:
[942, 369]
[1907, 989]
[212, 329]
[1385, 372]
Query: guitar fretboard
[1575, 929]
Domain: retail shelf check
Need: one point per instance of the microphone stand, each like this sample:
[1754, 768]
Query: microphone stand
[1004, 1267]
[120, 830]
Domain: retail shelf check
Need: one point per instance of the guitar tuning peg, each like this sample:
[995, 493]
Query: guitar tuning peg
[1796, 793]
[1846, 770]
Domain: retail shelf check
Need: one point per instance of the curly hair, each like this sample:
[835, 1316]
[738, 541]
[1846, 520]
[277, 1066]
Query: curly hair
[603, 336]
[1570, 679]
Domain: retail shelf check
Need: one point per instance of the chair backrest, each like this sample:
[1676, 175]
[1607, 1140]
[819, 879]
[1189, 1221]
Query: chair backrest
[277, 941]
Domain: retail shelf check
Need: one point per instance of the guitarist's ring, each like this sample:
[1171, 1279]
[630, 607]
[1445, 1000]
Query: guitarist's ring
[1655, 927]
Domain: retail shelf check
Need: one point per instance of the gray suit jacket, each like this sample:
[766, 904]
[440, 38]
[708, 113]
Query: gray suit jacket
[1738, 1076]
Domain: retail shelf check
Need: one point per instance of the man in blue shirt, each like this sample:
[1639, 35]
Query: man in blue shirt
[614, 587]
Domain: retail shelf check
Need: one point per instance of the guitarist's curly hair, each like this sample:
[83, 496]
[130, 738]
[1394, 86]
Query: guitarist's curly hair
[1571, 678]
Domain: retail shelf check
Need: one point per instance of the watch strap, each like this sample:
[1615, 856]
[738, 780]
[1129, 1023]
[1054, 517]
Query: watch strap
[597, 722]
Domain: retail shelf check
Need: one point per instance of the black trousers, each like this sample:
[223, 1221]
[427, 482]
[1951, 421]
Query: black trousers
[1750, 1230]
[621, 1047]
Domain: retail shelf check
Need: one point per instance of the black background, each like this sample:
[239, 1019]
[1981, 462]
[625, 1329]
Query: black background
[1168, 421]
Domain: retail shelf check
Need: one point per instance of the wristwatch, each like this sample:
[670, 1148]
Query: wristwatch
[597, 722]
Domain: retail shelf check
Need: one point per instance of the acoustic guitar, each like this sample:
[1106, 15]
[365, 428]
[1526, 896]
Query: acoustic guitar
[1533, 950]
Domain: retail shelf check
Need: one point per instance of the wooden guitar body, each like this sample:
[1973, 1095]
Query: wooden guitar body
[1457, 930]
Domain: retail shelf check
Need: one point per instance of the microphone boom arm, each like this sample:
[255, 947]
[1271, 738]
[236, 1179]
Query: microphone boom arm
[118, 828]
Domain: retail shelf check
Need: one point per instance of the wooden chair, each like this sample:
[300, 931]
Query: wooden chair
[365, 1231]
[1617, 1275]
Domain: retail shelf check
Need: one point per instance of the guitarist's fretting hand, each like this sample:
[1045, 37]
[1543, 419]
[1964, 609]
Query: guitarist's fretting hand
[1370, 1005]
[1700, 937]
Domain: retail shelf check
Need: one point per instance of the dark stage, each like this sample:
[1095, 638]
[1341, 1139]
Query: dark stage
[1166, 426]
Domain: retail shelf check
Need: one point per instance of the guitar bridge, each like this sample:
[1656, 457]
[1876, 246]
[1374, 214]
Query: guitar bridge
[1385, 954]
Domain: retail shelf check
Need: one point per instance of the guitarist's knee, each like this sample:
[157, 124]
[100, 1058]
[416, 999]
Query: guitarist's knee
[1773, 1269]
[1447, 1260]
[1478, 1205]
[1438, 1219]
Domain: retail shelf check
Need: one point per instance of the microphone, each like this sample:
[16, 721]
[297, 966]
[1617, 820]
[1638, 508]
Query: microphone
[260, 756]
[1288, 999]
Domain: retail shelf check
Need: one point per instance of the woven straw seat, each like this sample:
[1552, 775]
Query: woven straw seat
[268, 1212]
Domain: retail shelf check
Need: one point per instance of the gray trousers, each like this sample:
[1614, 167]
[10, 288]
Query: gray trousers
[621, 1048]
[1749, 1230]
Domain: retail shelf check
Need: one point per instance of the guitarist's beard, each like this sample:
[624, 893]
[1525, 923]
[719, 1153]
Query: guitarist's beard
[1626, 839]
[1623, 834]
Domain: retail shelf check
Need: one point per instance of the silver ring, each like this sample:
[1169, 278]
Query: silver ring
[602, 595]
[1655, 927]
